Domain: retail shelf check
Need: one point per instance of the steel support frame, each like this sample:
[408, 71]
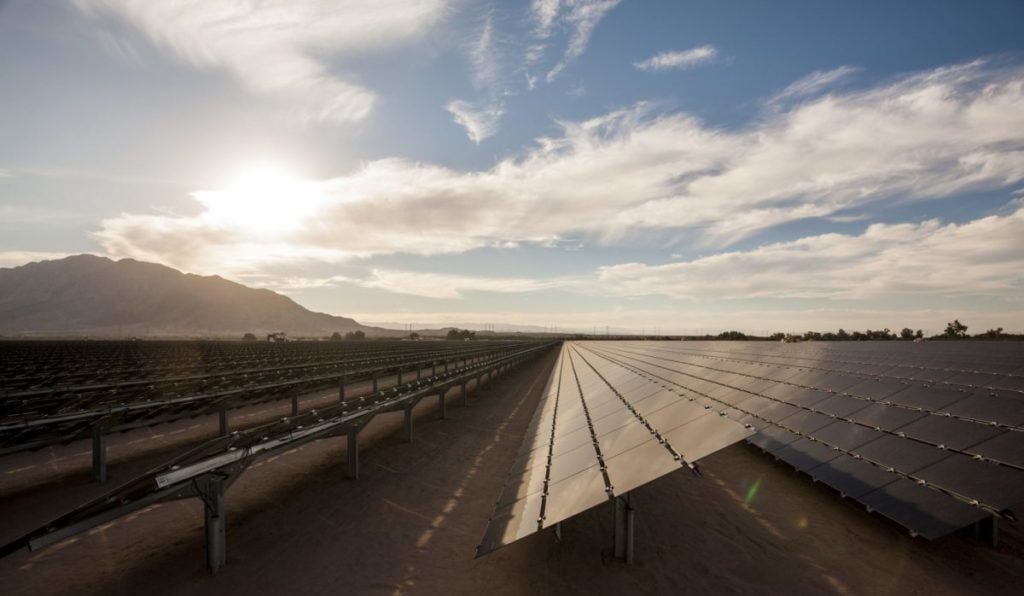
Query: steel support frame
[352, 454]
[99, 454]
[210, 489]
[623, 543]
[409, 423]
[222, 414]
[987, 530]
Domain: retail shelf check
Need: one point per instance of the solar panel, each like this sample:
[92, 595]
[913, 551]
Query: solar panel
[606, 430]
[929, 435]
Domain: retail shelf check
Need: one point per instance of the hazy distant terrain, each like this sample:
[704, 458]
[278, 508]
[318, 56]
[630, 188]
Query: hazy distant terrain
[90, 295]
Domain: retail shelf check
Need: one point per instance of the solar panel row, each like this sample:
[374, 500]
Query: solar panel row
[207, 470]
[932, 456]
[600, 431]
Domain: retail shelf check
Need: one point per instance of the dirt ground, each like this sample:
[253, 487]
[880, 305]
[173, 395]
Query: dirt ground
[411, 523]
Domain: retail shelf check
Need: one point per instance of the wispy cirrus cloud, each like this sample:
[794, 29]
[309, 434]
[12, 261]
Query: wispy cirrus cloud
[814, 83]
[624, 175]
[581, 17]
[481, 118]
[679, 60]
[277, 47]
[480, 121]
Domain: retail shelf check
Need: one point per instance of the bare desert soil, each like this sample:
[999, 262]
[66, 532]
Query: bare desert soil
[411, 523]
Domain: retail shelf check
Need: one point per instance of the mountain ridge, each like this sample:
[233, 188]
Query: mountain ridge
[89, 295]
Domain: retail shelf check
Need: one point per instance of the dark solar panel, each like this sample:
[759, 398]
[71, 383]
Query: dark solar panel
[601, 430]
[929, 435]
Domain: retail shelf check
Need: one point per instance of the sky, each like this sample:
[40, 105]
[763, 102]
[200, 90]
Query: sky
[659, 166]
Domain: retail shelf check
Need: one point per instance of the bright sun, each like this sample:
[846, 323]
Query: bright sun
[263, 198]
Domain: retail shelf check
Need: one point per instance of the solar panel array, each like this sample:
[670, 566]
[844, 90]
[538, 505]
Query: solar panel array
[225, 458]
[600, 431]
[930, 435]
[123, 385]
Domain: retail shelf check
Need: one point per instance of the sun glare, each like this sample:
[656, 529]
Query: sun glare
[266, 198]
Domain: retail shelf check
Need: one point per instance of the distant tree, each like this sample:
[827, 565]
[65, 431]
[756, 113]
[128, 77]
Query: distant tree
[994, 333]
[335, 336]
[842, 335]
[777, 336]
[812, 336]
[414, 336]
[907, 333]
[249, 337]
[732, 335]
[919, 334]
[355, 335]
[955, 330]
[460, 334]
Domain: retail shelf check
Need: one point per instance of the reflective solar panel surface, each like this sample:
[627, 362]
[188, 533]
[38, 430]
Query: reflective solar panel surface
[602, 429]
[927, 434]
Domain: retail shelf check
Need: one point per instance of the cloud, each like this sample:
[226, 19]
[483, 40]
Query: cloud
[480, 122]
[981, 257]
[679, 60]
[436, 285]
[278, 47]
[481, 119]
[814, 83]
[413, 283]
[631, 173]
[582, 16]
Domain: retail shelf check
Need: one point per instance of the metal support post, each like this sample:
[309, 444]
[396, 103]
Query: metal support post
[623, 528]
[341, 391]
[419, 372]
[442, 405]
[987, 530]
[433, 368]
[223, 420]
[375, 383]
[465, 394]
[408, 424]
[211, 491]
[399, 376]
[295, 405]
[99, 454]
[353, 454]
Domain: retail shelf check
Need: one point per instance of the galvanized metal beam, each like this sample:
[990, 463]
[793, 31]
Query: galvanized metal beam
[211, 491]
[99, 454]
[623, 528]
[352, 453]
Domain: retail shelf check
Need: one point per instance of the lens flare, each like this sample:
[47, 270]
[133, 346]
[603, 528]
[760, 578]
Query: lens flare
[752, 493]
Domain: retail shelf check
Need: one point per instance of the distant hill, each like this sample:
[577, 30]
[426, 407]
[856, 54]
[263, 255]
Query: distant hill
[89, 295]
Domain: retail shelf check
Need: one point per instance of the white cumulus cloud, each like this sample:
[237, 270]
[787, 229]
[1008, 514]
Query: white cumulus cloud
[984, 256]
[619, 177]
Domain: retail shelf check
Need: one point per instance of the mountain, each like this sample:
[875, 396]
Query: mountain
[96, 296]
